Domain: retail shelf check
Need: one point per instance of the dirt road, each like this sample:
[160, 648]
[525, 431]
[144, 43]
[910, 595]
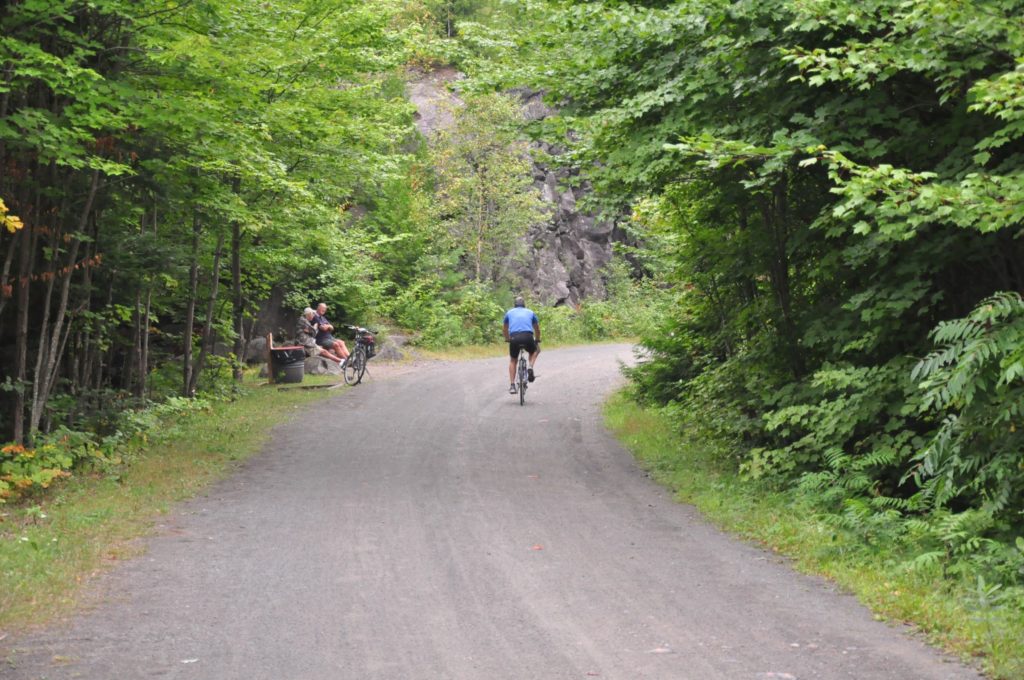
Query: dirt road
[425, 526]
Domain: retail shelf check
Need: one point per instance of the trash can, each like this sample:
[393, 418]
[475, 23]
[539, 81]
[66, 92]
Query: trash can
[288, 364]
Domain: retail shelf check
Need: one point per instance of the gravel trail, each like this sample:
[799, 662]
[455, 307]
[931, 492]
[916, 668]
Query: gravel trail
[425, 526]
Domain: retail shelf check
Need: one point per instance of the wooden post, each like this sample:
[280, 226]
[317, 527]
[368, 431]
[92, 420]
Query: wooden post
[270, 359]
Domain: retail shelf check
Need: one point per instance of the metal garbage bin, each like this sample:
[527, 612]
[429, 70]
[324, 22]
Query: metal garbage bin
[288, 364]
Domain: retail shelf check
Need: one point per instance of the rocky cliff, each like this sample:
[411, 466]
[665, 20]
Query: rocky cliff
[566, 254]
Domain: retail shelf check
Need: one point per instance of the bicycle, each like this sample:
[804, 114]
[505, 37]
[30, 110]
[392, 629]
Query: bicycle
[365, 349]
[522, 375]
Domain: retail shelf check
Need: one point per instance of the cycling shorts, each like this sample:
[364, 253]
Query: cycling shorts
[521, 340]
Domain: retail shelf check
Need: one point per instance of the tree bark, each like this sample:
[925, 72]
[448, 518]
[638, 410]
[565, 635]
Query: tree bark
[208, 325]
[144, 350]
[28, 243]
[135, 360]
[190, 311]
[238, 307]
[10, 243]
[51, 364]
[80, 347]
[776, 216]
[144, 372]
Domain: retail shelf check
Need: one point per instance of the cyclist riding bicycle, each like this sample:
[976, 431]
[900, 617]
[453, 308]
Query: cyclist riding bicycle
[522, 330]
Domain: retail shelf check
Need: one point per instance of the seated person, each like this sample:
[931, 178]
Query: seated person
[305, 335]
[323, 335]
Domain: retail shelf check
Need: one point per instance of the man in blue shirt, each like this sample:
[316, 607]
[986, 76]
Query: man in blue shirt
[521, 329]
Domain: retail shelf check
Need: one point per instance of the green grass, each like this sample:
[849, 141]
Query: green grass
[53, 543]
[952, 615]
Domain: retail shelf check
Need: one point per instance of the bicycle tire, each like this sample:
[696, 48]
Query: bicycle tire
[361, 362]
[351, 373]
[522, 379]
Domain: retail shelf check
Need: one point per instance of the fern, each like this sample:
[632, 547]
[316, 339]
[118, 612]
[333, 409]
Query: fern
[974, 385]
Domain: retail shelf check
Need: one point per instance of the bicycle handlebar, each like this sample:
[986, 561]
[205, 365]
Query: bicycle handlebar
[360, 329]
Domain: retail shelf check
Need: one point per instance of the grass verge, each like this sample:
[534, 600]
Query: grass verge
[54, 542]
[965, 621]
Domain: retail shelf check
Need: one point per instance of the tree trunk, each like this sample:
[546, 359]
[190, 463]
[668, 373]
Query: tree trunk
[144, 350]
[190, 311]
[480, 227]
[81, 346]
[135, 360]
[144, 357]
[776, 215]
[238, 307]
[28, 245]
[50, 366]
[99, 364]
[10, 243]
[208, 325]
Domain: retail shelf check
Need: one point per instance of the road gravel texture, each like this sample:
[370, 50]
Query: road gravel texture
[424, 525]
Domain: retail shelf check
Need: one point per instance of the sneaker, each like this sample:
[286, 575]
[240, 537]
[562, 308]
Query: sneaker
[512, 389]
[530, 377]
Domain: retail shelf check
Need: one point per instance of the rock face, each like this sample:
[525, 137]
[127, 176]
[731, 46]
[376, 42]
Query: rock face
[567, 253]
[429, 92]
[564, 255]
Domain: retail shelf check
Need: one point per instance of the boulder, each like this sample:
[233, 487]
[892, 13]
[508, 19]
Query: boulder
[256, 351]
[321, 366]
[398, 340]
[389, 352]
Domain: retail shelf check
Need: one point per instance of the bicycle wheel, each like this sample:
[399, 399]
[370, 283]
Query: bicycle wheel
[354, 368]
[522, 379]
[361, 363]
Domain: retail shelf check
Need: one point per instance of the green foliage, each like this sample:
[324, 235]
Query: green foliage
[975, 383]
[485, 199]
[451, 313]
[24, 471]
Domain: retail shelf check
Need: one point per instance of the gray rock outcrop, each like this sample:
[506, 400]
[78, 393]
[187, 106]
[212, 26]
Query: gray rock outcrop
[564, 256]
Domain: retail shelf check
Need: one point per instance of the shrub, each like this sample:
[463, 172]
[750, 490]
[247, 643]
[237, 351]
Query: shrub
[24, 470]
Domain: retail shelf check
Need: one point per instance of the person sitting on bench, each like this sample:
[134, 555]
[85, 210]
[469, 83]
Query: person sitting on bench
[305, 335]
[324, 338]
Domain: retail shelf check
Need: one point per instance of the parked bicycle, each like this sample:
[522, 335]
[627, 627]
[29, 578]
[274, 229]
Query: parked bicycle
[364, 350]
